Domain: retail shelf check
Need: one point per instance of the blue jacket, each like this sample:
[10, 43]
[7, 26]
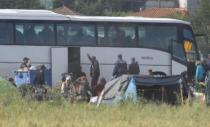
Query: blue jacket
[199, 73]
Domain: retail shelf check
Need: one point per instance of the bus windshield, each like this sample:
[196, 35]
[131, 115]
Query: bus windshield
[189, 45]
[157, 37]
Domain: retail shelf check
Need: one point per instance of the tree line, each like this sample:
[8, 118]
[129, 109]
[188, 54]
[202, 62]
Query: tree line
[85, 7]
[20, 4]
[95, 7]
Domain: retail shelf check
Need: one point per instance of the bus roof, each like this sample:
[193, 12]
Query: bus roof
[22, 14]
[126, 19]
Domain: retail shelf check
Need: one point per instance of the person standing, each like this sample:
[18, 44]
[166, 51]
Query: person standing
[26, 64]
[39, 79]
[120, 67]
[205, 66]
[200, 72]
[94, 72]
[150, 72]
[133, 67]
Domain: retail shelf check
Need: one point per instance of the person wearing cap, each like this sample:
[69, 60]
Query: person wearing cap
[26, 64]
[120, 67]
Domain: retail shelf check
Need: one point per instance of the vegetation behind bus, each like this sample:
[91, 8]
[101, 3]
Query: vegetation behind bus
[20, 4]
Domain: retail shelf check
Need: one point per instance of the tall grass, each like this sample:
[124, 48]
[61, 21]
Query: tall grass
[16, 112]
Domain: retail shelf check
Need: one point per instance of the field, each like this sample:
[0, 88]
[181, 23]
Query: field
[17, 112]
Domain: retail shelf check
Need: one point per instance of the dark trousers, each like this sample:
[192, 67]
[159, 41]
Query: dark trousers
[94, 81]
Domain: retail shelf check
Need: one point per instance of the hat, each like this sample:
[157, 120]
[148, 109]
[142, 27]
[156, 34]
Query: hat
[25, 58]
[119, 55]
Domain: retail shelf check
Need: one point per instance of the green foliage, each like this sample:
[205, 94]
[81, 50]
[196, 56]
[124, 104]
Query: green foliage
[20, 4]
[203, 14]
[180, 16]
[91, 7]
[117, 13]
[201, 24]
[28, 4]
[8, 93]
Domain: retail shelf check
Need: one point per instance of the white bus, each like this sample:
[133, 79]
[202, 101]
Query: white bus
[62, 42]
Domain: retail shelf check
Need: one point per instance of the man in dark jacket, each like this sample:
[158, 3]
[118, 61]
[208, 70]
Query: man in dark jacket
[120, 67]
[94, 72]
[39, 77]
[133, 67]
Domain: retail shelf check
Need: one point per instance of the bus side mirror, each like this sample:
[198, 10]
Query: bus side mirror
[205, 36]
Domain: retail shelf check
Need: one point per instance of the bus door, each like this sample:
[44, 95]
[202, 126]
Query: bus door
[59, 63]
[74, 61]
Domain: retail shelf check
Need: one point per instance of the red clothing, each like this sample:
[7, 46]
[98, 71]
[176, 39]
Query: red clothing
[98, 89]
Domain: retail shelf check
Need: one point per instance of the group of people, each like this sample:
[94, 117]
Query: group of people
[81, 84]
[30, 34]
[120, 68]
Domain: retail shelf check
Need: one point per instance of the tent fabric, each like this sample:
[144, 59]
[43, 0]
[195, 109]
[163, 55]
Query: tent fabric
[115, 87]
[131, 91]
[113, 91]
[151, 81]
[118, 88]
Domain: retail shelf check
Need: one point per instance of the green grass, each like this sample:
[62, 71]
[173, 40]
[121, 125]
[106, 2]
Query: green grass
[16, 112]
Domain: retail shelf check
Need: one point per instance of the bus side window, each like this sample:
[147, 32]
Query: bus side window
[130, 36]
[157, 37]
[141, 35]
[117, 36]
[30, 36]
[101, 35]
[121, 35]
[24, 34]
[62, 34]
[45, 33]
[6, 33]
[19, 34]
[34, 34]
[75, 35]
[81, 34]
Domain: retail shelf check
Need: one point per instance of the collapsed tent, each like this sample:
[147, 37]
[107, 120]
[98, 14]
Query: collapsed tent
[168, 89]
